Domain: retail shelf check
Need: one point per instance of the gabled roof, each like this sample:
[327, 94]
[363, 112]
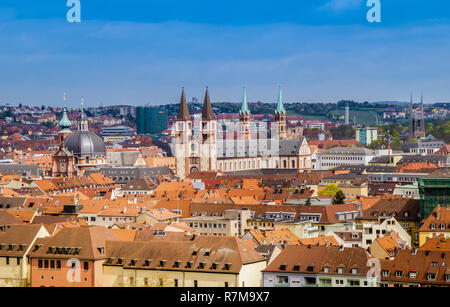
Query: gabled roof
[309, 259]
[17, 239]
[8, 219]
[88, 239]
[202, 254]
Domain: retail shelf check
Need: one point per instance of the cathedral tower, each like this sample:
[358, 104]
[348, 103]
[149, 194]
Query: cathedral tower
[208, 136]
[244, 118]
[183, 139]
[280, 117]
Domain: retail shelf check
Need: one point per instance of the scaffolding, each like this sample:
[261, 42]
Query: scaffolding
[433, 191]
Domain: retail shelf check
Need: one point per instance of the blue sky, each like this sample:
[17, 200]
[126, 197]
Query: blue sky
[143, 51]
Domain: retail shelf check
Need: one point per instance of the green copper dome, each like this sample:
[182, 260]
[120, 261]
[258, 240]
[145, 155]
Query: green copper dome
[65, 123]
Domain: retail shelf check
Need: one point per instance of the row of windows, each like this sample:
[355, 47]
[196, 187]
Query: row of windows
[342, 158]
[56, 264]
[8, 260]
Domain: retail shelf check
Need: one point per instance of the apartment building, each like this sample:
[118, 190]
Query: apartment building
[319, 266]
[231, 223]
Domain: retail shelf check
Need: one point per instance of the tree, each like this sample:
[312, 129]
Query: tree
[329, 190]
[338, 198]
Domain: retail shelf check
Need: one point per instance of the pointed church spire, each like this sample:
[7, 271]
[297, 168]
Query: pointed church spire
[207, 113]
[280, 106]
[244, 106]
[65, 123]
[183, 111]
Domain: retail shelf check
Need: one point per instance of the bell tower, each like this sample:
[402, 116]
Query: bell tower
[83, 124]
[208, 136]
[244, 118]
[65, 124]
[182, 135]
[280, 117]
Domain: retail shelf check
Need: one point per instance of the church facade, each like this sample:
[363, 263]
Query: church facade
[79, 150]
[416, 124]
[202, 150]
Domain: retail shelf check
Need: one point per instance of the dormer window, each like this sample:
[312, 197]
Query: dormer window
[227, 266]
[147, 262]
[385, 273]
[406, 214]
[214, 266]
[201, 265]
[283, 267]
[340, 270]
[326, 269]
[162, 263]
[412, 274]
[433, 226]
[297, 267]
[431, 276]
[399, 274]
[442, 226]
[354, 271]
[176, 264]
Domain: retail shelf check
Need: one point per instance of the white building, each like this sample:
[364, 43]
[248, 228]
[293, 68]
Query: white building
[366, 135]
[338, 156]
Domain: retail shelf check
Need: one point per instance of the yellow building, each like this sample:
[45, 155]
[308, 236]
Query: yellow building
[437, 224]
[207, 261]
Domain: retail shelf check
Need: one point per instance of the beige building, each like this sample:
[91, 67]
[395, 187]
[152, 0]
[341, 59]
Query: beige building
[16, 243]
[207, 261]
[231, 223]
[150, 217]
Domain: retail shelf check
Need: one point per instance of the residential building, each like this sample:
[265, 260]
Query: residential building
[231, 223]
[404, 211]
[319, 266]
[16, 243]
[416, 268]
[73, 257]
[205, 261]
[435, 225]
[366, 135]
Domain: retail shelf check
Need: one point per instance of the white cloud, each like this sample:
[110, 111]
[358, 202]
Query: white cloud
[341, 5]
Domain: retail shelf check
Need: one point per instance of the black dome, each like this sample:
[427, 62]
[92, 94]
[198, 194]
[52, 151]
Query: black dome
[85, 143]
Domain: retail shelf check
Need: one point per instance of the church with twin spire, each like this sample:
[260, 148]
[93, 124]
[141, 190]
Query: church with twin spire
[197, 147]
